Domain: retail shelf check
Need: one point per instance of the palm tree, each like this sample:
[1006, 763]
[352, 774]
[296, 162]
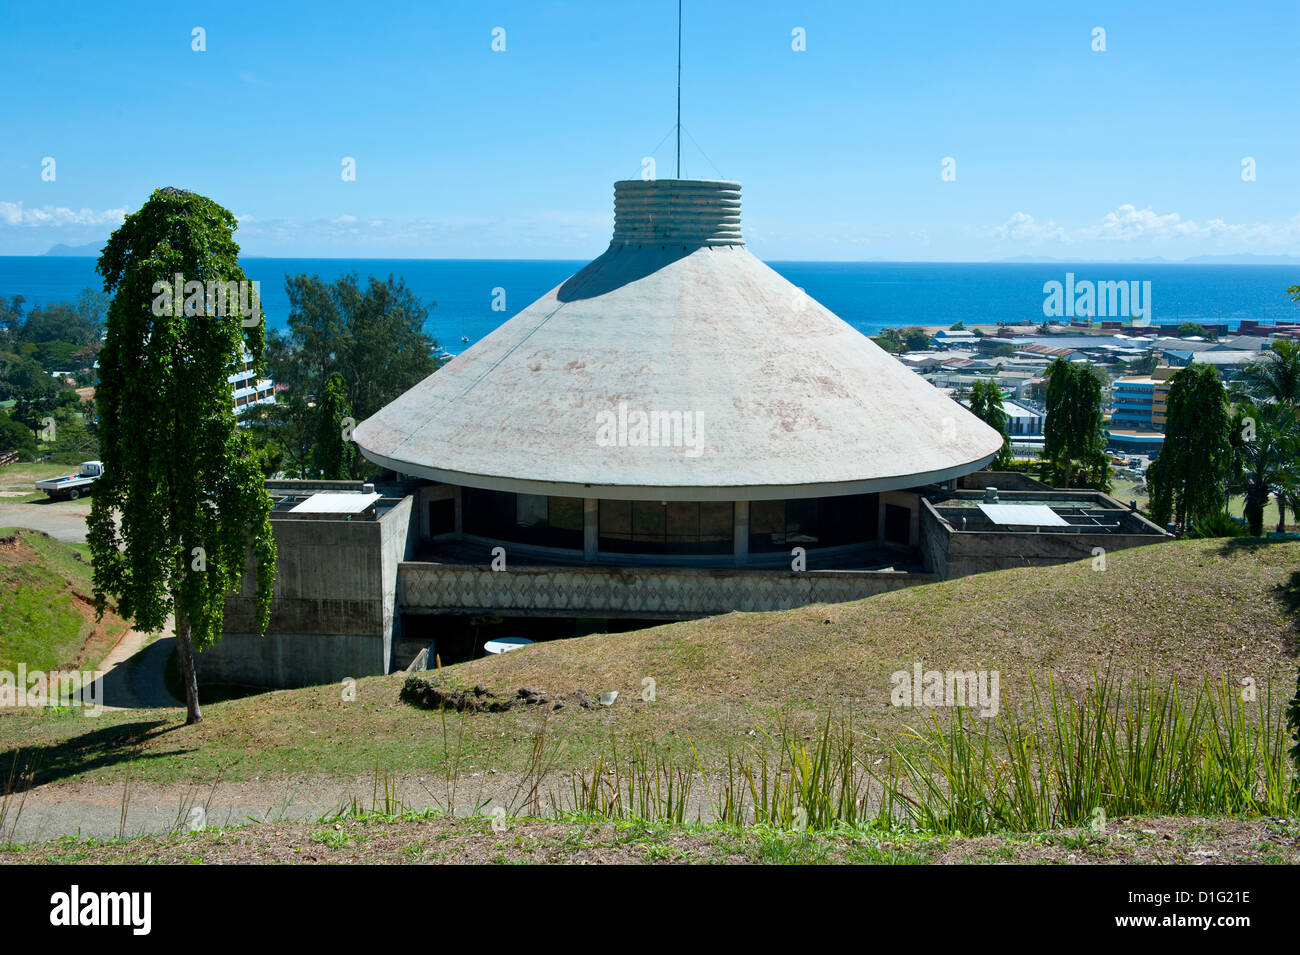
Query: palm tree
[1273, 376]
[1266, 464]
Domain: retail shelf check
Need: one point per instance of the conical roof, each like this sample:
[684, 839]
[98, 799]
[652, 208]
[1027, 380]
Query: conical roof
[783, 398]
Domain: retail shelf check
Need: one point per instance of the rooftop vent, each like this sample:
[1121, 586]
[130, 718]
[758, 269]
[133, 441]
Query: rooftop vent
[990, 494]
[691, 212]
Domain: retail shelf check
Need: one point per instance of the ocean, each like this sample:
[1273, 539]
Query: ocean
[868, 295]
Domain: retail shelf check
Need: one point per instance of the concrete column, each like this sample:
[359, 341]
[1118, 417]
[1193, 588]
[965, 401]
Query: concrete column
[458, 520]
[740, 538]
[590, 527]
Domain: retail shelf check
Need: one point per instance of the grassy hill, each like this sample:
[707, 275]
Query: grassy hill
[47, 617]
[1180, 610]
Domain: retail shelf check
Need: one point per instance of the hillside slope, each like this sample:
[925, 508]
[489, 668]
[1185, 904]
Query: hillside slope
[47, 614]
[1179, 610]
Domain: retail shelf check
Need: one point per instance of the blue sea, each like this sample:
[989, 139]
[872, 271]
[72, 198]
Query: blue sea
[868, 295]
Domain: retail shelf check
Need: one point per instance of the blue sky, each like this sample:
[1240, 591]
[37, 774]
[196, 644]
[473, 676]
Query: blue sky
[463, 152]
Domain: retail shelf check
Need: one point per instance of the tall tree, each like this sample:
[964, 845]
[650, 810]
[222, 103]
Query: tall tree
[179, 475]
[1073, 438]
[374, 337]
[986, 404]
[1187, 479]
[334, 455]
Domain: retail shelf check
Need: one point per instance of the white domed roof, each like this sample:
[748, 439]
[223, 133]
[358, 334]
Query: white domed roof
[768, 393]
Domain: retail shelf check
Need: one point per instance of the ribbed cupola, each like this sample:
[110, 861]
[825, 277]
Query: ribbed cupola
[685, 212]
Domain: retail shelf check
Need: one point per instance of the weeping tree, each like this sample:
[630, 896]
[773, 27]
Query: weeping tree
[1187, 479]
[1073, 439]
[986, 404]
[180, 477]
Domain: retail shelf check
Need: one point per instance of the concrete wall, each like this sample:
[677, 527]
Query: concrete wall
[631, 591]
[949, 553]
[333, 614]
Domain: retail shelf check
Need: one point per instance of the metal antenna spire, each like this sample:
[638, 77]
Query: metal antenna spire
[679, 89]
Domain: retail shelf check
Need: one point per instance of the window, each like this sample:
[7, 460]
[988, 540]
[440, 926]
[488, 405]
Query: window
[812, 522]
[442, 517]
[674, 527]
[523, 518]
[898, 524]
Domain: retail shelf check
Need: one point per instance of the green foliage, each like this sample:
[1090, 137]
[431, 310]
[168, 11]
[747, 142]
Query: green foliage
[1265, 446]
[1058, 759]
[915, 339]
[16, 436]
[1273, 376]
[1073, 439]
[370, 339]
[890, 341]
[334, 455]
[1217, 524]
[179, 474]
[1186, 480]
[1293, 713]
[1193, 330]
[373, 337]
[986, 404]
[1146, 364]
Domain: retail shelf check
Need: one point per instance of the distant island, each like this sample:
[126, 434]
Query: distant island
[90, 249]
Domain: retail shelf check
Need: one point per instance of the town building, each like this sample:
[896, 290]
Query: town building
[675, 431]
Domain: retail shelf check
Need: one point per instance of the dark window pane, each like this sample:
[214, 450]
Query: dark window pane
[442, 517]
[649, 521]
[716, 520]
[766, 526]
[683, 524]
[566, 513]
[801, 526]
[898, 524]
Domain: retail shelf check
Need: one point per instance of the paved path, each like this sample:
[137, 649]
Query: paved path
[94, 810]
[62, 520]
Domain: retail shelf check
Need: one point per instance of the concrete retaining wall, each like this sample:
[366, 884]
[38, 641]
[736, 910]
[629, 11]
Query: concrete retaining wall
[632, 592]
[333, 614]
[951, 553]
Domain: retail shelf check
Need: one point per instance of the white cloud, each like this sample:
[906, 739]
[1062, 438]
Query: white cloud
[1128, 223]
[1022, 227]
[16, 214]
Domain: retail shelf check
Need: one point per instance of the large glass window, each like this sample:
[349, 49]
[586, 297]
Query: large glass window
[523, 518]
[812, 522]
[674, 527]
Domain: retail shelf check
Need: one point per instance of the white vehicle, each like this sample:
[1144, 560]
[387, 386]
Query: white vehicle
[72, 486]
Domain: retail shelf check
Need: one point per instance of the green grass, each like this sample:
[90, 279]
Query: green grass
[17, 479]
[42, 581]
[1181, 610]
